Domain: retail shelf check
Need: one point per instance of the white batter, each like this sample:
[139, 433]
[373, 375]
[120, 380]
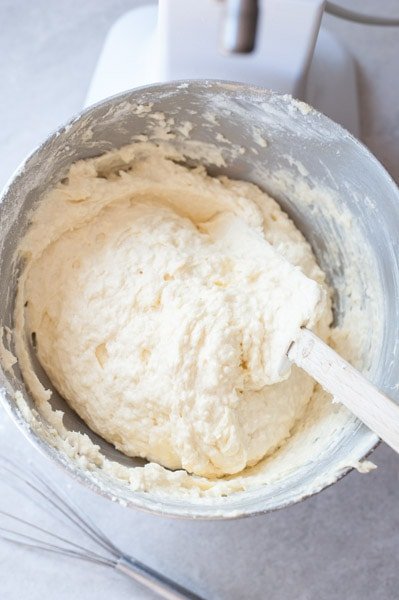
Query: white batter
[161, 303]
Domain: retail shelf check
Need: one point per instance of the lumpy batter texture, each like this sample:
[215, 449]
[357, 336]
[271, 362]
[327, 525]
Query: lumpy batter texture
[161, 302]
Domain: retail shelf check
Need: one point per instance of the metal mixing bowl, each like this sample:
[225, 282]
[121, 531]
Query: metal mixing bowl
[315, 152]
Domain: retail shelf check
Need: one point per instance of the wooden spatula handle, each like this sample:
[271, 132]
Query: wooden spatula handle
[347, 385]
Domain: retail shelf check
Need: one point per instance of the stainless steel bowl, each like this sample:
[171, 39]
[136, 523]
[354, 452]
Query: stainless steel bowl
[321, 158]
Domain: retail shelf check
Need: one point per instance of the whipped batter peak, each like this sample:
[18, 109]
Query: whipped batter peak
[162, 301]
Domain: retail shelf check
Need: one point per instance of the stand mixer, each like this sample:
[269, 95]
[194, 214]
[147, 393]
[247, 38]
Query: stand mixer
[277, 44]
[213, 39]
[309, 148]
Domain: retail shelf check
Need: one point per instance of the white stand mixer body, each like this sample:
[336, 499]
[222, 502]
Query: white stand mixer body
[182, 39]
[190, 33]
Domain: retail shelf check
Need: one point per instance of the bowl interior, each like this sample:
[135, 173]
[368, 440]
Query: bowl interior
[332, 187]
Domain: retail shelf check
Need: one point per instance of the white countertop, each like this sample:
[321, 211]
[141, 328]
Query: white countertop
[342, 543]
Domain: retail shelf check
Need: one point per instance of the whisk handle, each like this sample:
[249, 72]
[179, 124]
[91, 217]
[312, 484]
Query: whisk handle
[158, 583]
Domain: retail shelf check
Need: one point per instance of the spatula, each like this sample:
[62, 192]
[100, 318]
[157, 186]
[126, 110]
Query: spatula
[347, 385]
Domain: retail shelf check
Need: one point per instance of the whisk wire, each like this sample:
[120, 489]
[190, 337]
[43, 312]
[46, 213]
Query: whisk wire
[54, 549]
[46, 494]
[71, 513]
[57, 501]
[46, 532]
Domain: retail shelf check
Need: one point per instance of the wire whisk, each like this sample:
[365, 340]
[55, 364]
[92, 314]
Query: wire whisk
[105, 553]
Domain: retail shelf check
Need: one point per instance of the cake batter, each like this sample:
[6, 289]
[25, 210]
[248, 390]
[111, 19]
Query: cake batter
[161, 301]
